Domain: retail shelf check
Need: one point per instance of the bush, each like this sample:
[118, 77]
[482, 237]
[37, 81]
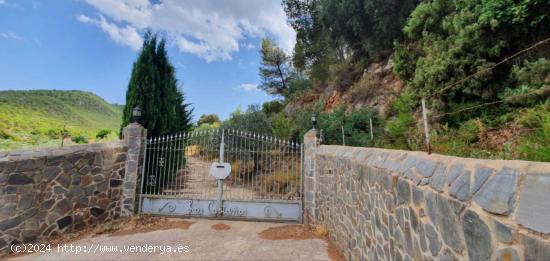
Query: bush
[281, 126]
[5, 135]
[102, 134]
[401, 128]
[79, 139]
[272, 107]
[253, 120]
[470, 130]
[536, 145]
[285, 182]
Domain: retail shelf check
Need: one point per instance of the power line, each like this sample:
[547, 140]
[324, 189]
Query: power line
[507, 59]
[489, 103]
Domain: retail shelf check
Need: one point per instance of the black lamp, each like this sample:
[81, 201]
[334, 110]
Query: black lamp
[314, 121]
[136, 113]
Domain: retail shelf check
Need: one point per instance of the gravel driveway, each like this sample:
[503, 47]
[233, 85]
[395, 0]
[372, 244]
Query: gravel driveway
[203, 240]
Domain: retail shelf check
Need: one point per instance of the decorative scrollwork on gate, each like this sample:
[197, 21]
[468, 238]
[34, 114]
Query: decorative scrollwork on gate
[152, 180]
[270, 211]
[170, 206]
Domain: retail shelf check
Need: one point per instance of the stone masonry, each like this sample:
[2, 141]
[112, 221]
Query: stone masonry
[399, 205]
[50, 192]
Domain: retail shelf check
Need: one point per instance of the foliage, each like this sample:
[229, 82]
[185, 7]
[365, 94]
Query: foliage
[297, 84]
[281, 126]
[401, 128]
[312, 52]
[470, 130]
[449, 40]
[102, 134]
[273, 107]
[367, 27]
[533, 83]
[274, 70]
[79, 139]
[252, 120]
[536, 146]
[208, 119]
[37, 118]
[153, 87]
[434, 44]
[286, 181]
[206, 126]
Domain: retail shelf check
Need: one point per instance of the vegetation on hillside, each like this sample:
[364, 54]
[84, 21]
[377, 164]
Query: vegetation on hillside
[40, 118]
[482, 66]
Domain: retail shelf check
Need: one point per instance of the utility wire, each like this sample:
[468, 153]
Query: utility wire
[488, 103]
[507, 59]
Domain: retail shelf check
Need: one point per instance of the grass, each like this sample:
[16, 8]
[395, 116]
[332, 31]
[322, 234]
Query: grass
[36, 118]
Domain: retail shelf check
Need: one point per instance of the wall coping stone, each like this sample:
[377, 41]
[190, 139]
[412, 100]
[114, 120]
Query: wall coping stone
[523, 167]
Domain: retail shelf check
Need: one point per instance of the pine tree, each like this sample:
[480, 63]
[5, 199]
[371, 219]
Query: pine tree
[154, 88]
[274, 69]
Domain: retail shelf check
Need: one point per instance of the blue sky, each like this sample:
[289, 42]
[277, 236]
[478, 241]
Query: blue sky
[91, 44]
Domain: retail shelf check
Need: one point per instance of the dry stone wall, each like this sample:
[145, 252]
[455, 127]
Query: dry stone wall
[399, 205]
[51, 192]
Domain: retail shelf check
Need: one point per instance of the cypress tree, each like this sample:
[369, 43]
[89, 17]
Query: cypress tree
[154, 88]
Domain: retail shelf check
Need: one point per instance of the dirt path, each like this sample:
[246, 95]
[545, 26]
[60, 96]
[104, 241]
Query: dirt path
[202, 240]
[196, 182]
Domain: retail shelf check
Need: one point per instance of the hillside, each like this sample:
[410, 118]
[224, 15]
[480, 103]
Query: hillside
[365, 68]
[37, 117]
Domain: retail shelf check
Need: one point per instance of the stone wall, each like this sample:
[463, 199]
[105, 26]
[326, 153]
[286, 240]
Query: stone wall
[51, 192]
[399, 205]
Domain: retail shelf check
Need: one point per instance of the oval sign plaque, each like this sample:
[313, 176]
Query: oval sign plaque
[220, 170]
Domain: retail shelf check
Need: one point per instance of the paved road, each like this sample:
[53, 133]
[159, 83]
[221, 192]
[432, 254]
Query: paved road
[240, 242]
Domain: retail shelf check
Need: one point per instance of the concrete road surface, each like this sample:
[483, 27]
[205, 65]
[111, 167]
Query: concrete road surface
[199, 242]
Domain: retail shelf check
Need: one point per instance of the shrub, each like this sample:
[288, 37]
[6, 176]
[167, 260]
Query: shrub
[470, 130]
[102, 134]
[401, 127]
[5, 135]
[79, 139]
[285, 182]
[281, 126]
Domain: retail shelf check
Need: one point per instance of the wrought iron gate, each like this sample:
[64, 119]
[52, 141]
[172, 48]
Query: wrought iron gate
[265, 181]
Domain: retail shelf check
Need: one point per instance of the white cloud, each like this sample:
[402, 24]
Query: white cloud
[248, 45]
[10, 35]
[123, 35]
[248, 87]
[211, 29]
[2, 2]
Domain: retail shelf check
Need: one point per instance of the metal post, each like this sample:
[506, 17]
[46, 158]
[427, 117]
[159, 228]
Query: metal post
[343, 139]
[371, 133]
[426, 130]
[142, 175]
[220, 181]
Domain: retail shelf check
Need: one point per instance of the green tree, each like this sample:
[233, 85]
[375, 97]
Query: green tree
[252, 120]
[367, 27]
[448, 40]
[274, 69]
[154, 88]
[208, 119]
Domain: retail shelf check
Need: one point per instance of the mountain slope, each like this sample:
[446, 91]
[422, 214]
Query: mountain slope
[27, 116]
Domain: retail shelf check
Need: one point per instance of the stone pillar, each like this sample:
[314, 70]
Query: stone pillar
[310, 146]
[134, 136]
